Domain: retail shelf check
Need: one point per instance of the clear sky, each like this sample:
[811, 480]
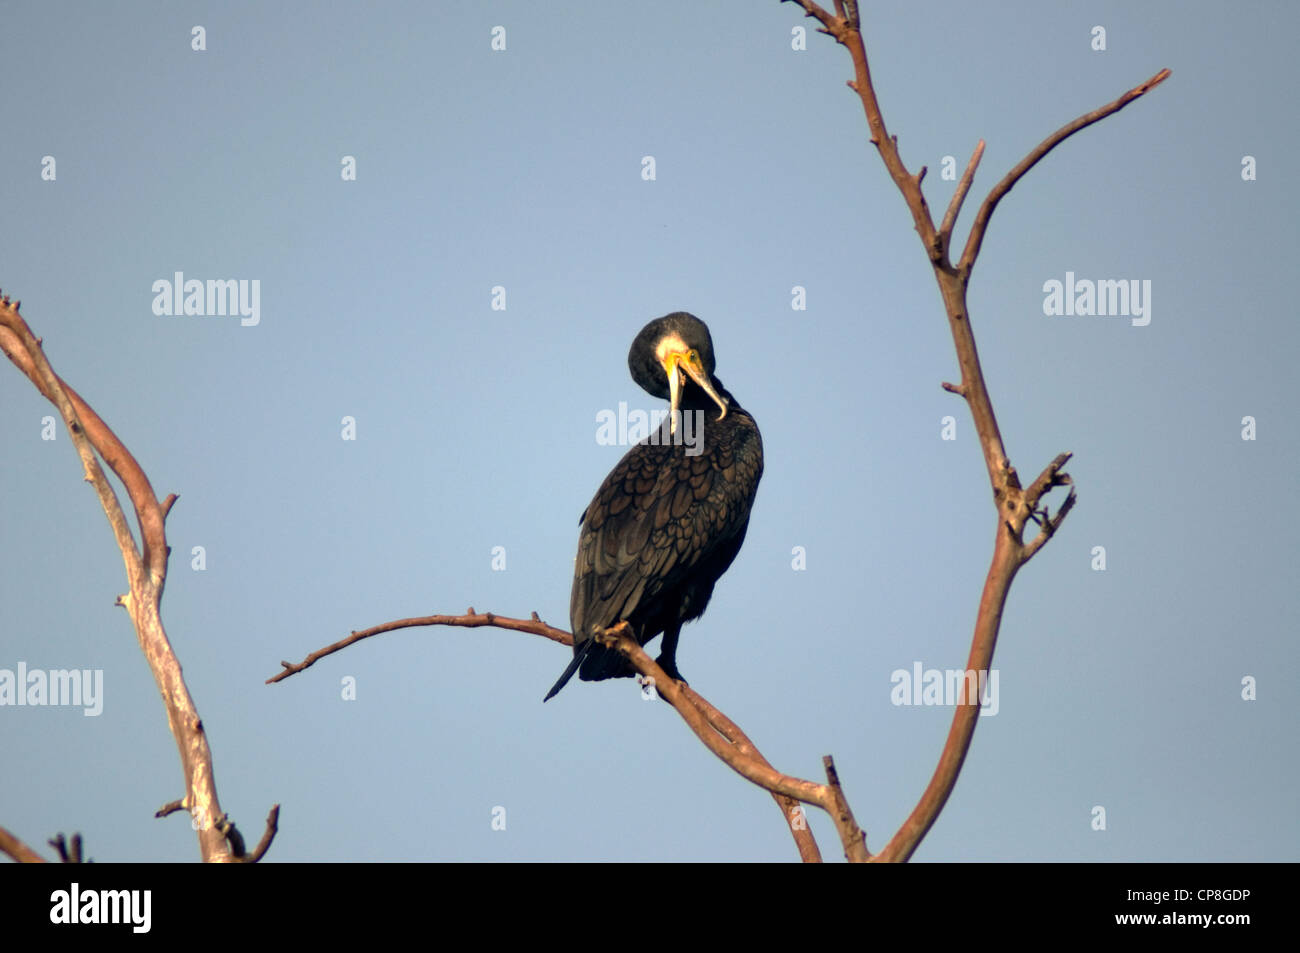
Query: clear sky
[1120, 689]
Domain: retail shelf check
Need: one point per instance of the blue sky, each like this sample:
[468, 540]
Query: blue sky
[476, 428]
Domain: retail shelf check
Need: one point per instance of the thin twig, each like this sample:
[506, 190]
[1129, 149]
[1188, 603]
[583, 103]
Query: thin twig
[69, 852]
[976, 237]
[470, 620]
[959, 196]
[272, 826]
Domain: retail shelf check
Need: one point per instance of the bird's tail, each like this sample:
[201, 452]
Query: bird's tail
[578, 658]
[594, 663]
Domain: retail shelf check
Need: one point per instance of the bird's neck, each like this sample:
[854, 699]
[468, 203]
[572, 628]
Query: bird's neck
[694, 398]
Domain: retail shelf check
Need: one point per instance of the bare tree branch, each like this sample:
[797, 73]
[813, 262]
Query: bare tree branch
[470, 620]
[1016, 507]
[790, 810]
[69, 852]
[976, 236]
[959, 196]
[15, 848]
[719, 733]
[146, 571]
[1048, 480]
[997, 584]
[272, 827]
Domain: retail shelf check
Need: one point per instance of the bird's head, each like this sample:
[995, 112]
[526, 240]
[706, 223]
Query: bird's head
[667, 353]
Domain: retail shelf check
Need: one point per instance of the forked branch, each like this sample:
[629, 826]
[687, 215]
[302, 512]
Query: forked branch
[976, 237]
[719, 733]
[146, 569]
[1016, 507]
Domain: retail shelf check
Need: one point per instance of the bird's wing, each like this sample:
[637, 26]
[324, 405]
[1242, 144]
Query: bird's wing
[658, 513]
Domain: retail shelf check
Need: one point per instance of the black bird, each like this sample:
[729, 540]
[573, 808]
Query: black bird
[670, 518]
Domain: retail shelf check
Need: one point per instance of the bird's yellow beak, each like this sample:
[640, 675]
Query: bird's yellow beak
[676, 362]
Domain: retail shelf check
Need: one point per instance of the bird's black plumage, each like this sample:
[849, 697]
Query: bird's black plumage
[671, 517]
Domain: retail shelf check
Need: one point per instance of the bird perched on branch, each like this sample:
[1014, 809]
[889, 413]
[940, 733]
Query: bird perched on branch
[670, 518]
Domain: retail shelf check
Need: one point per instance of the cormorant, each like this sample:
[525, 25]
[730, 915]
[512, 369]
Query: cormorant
[670, 518]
